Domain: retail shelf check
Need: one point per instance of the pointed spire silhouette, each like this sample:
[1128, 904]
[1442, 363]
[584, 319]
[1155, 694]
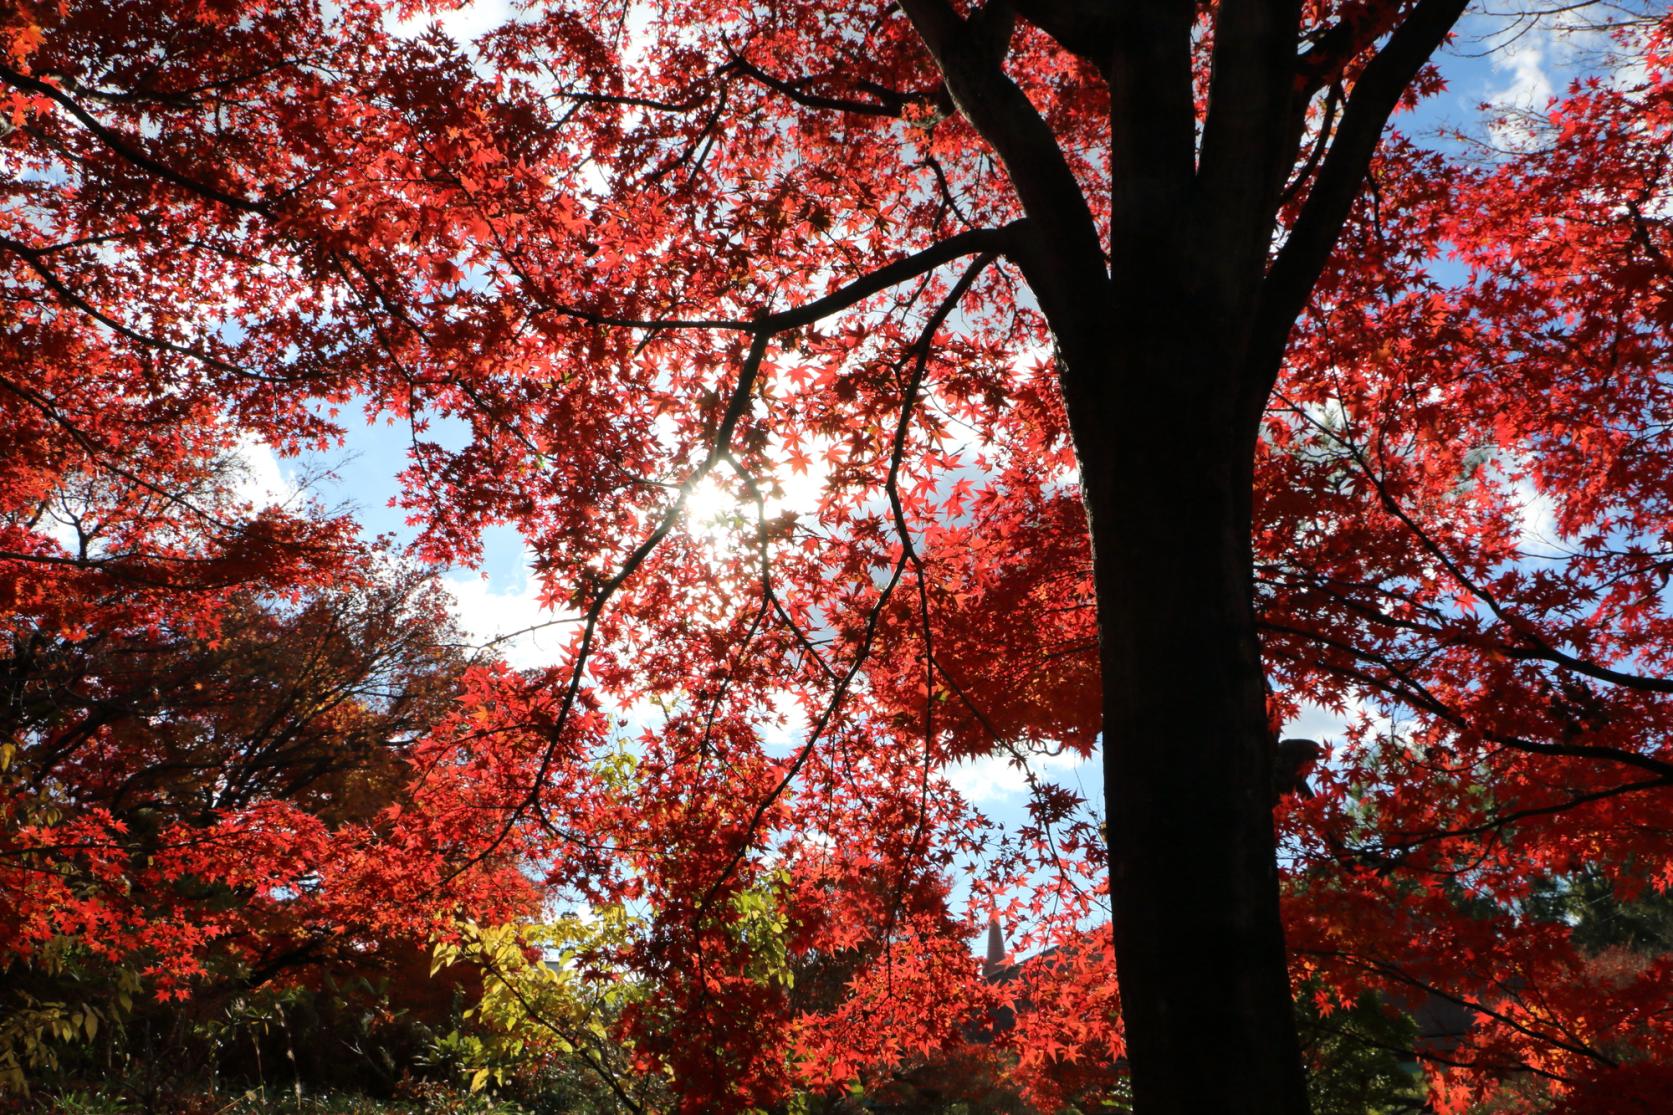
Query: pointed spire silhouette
[995, 960]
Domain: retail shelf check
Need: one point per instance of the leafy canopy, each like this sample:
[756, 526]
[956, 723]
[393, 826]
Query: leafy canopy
[760, 252]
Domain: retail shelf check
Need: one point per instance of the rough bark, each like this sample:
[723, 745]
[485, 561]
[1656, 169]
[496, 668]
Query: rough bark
[1158, 404]
[1199, 945]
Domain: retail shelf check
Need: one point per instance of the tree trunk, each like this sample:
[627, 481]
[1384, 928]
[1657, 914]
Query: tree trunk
[1167, 468]
[1167, 357]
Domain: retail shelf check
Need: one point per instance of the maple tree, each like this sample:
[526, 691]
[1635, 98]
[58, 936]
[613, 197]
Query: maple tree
[988, 275]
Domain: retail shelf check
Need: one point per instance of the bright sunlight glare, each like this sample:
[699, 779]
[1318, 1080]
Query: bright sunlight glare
[711, 510]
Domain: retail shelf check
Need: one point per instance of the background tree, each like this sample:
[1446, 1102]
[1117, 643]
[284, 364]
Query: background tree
[206, 757]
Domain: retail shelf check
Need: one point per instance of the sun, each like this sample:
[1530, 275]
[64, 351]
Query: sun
[711, 510]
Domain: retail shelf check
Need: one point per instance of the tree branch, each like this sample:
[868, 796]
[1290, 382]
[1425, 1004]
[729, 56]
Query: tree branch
[1085, 28]
[1246, 136]
[890, 104]
[1065, 258]
[125, 149]
[1007, 240]
[1289, 282]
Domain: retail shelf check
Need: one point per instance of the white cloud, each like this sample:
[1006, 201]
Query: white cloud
[1536, 514]
[994, 777]
[522, 631]
[1317, 722]
[60, 529]
[985, 778]
[464, 24]
[1538, 55]
[792, 726]
[1530, 85]
[262, 480]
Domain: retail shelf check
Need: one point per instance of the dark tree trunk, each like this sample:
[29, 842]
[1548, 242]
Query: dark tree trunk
[1170, 335]
[1167, 469]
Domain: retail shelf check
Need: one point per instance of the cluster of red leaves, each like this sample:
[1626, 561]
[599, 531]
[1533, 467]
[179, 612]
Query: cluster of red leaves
[211, 703]
[248, 799]
[1465, 521]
